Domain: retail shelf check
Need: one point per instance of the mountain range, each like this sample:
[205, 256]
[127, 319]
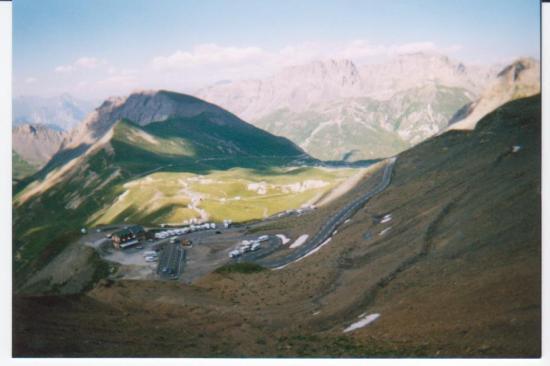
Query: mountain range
[444, 262]
[36, 143]
[123, 140]
[62, 112]
[130, 137]
[336, 110]
[32, 147]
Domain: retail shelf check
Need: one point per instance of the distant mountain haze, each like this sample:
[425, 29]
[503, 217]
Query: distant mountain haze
[36, 144]
[331, 109]
[59, 112]
[336, 110]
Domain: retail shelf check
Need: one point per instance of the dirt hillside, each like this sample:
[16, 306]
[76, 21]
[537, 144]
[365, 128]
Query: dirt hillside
[454, 271]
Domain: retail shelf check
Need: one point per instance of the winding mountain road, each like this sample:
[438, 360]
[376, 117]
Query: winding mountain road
[332, 223]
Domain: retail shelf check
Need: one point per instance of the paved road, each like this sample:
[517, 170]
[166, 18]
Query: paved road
[266, 248]
[170, 261]
[328, 228]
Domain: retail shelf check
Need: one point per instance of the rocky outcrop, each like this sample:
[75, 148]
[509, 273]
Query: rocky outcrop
[36, 144]
[142, 108]
[417, 69]
[300, 88]
[296, 88]
[334, 109]
[517, 80]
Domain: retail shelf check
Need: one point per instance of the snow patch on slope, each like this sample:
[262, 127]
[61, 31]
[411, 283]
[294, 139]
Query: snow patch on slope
[301, 240]
[283, 238]
[362, 323]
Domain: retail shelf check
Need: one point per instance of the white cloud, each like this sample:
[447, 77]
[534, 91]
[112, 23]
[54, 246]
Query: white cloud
[203, 64]
[80, 64]
[64, 68]
[89, 62]
[412, 48]
[208, 55]
[214, 58]
[119, 81]
[452, 48]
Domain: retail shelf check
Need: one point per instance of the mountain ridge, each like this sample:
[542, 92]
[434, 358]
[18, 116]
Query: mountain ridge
[36, 143]
[517, 80]
[296, 99]
[73, 190]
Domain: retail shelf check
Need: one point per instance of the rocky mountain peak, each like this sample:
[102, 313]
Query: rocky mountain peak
[28, 128]
[514, 71]
[36, 143]
[341, 71]
[142, 107]
[519, 79]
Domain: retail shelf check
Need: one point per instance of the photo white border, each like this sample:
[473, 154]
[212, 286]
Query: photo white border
[6, 258]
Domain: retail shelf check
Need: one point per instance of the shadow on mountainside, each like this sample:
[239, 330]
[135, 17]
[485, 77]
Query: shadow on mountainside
[457, 275]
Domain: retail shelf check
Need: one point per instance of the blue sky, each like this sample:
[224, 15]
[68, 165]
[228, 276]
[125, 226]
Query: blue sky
[102, 47]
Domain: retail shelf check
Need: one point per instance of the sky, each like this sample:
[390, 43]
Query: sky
[95, 49]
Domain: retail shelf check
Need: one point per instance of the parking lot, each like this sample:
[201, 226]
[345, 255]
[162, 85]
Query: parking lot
[207, 249]
[170, 262]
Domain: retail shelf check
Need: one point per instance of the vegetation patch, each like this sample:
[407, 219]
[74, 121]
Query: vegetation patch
[243, 267]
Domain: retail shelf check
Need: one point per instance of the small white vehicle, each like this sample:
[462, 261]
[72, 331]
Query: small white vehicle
[255, 246]
[234, 254]
[212, 225]
[150, 259]
[244, 249]
[263, 238]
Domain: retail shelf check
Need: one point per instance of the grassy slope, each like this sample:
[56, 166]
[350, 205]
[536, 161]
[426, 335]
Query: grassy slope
[458, 274]
[20, 167]
[164, 197]
[44, 224]
[359, 131]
